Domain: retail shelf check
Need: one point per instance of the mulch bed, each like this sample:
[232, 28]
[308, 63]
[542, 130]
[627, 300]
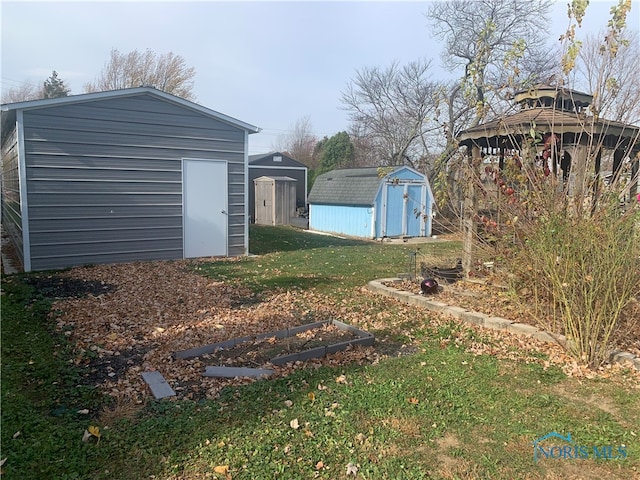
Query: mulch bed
[129, 318]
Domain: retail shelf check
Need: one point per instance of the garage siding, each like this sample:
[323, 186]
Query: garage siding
[105, 182]
[11, 210]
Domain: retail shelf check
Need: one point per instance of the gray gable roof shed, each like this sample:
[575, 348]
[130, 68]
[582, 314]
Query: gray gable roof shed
[99, 177]
[273, 159]
[277, 164]
[353, 186]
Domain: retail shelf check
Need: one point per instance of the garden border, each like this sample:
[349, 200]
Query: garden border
[483, 320]
[363, 338]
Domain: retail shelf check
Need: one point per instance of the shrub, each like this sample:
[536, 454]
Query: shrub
[576, 264]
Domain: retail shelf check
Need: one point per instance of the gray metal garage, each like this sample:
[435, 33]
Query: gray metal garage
[124, 175]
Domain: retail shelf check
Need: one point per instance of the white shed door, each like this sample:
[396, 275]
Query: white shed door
[204, 200]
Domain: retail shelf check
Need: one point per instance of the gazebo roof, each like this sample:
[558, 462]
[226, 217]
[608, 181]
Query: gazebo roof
[549, 120]
[541, 91]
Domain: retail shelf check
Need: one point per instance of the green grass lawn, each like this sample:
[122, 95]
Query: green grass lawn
[442, 412]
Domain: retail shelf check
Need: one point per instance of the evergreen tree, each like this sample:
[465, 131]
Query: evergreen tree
[54, 87]
[337, 152]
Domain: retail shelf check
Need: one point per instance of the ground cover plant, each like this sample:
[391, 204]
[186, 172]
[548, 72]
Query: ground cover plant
[436, 399]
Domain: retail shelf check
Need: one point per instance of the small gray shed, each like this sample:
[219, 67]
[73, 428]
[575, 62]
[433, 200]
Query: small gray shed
[123, 175]
[275, 200]
[277, 164]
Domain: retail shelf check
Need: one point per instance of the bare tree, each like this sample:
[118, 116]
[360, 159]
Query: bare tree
[499, 47]
[498, 43]
[22, 93]
[392, 109]
[167, 72]
[299, 142]
[612, 78]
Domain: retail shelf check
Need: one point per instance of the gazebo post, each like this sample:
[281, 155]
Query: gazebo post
[635, 171]
[596, 181]
[618, 156]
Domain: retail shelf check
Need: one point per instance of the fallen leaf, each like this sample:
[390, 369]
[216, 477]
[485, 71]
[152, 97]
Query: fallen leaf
[294, 424]
[17, 434]
[319, 465]
[352, 469]
[221, 469]
[312, 396]
[288, 403]
[322, 387]
[95, 431]
[341, 379]
[86, 436]
[83, 412]
[413, 400]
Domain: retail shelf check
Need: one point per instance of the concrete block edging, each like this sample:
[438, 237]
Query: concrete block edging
[485, 321]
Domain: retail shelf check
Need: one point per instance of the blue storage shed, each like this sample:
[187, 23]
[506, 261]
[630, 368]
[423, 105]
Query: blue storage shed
[373, 202]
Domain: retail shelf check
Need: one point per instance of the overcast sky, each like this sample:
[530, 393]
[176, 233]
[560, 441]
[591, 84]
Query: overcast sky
[265, 63]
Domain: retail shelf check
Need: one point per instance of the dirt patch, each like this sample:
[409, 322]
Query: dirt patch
[62, 287]
[593, 400]
[448, 441]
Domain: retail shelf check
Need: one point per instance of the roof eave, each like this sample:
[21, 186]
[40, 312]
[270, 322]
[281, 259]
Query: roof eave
[128, 92]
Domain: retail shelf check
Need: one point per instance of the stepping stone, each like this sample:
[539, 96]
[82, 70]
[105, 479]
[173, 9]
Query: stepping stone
[158, 385]
[231, 372]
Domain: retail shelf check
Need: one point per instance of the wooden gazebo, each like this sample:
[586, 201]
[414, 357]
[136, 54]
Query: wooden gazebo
[571, 143]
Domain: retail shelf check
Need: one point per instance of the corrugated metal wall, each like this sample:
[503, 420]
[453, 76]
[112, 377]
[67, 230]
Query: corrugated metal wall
[104, 179]
[11, 212]
[348, 220]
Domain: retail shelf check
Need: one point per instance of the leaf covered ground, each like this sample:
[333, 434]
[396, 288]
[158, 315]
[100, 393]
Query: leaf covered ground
[130, 318]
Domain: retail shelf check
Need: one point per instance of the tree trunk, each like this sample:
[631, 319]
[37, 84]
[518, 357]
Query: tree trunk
[470, 207]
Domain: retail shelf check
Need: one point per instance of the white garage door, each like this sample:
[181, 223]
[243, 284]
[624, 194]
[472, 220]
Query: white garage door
[204, 205]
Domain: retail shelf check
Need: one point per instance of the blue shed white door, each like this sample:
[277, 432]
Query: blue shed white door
[204, 198]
